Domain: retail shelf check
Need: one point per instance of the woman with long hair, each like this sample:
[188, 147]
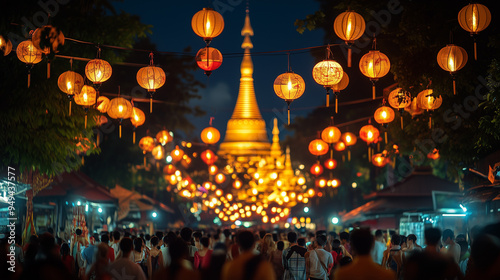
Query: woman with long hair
[268, 246]
[67, 259]
[180, 267]
[202, 257]
[99, 269]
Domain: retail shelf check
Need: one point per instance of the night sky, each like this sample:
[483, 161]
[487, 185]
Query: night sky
[273, 24]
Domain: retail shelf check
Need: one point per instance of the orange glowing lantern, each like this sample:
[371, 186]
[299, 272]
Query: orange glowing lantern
[237, 184]
[27, 53]
[86, 98]
[427, 101]
[209, 59]
[119, 108]
[369, 133]
[374, 65]
[474, 18]
[379, 160]
[335, 183]
[384, 115]
[164, 137]
[316, 169]
[102, 104]
[349, 26]
[212, 170]
[220, 178]
[98, 71]
[399, 99]
[207, 24]
[434, 155]
[340, 146]
[289, 86]
[327, 73]
[151, 78]
[210, 135]
[208, 157]
[176, 154]
[158, 152]
[5, 46]
[70, 83]
[331, 163]
[138, 118]
[349, 139]
[318, 147]
[146, 144]
[338, 87]
[331, 134]
[452, 58]
[169, 169]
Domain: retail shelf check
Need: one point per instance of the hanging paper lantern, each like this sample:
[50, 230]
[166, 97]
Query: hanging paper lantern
[327, 73]
[102, 104]
[434, 155]
[330, 163]
[70, 83]
[137, 118]
[374, 65]
[48, 39]
[27, 53]
[98, 71]
[212, 170]
[474, 18]
[169, 169]
[340, 146]
[316, 169]
[349, 139]
[208, 157]
[413, 108]
[237, 184]
[318, 147]
[158, 152]
[384, 115]
[452, 58]
[207, 24]
[369, 133]
[164, 137]
[210, 135]
[220, 178]
[86, 97]
[147, 144]
[349, 26]
[209, 59]
[5, 45]
[380, 160]
[177, 154]
[151, 78]
[427, 101]
[331, 135]
[399, 99]
[344, 82]
[119, 108]
[289, 86]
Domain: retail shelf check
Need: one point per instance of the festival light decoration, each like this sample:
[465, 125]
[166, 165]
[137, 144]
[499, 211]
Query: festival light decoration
[119, 108]
[289, 86]
[316, 169]
[86, 98]
[209, 59]
[374, 65]
[5, 46]
[151, 78]
[27, 53]
[70, 83]
[207, 24]
[427, 101]
[137, 118]
[330, 163]
[98, 71]
[384, 115]
[349, 26]
[327, 73]
[158, 152]
[210, 135]
[177, 154]
[474, 18]
[318, 147]
[163, 137]
[399, 99]
[452, 58]
[344, 82]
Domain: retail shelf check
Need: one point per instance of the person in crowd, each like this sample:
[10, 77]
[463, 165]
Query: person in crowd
[363, 266]
[227, 237]
[344, 240]
[88, 254]
[484, 260]
[464, 255]
[247, 265]
[411, 245]
[115, 245]
[186, 235]
[451, 248]
[276, 260]
[167, 239]
[67, 259]
[18, 249]
[147, 239]
[294, 261]
[393, 256]
[332, 235]
[336, 252]
[141, 256]
[159, 234]
[379, 247]
[430, 263]
[203, 256]
[318, 261]
[234, 251]
[403, 243]
[180, 268]
[196, 236]
[124, 268]
[111, 251]
[155, 254]
[268, 246]
[99, 269]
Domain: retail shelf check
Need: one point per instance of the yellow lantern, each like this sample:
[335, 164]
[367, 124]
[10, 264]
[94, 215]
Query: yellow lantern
[27, 53]
[163, 137]
[289, 86]
[399, 99]
[86, 98]
[384, 115]
[349, 26]
[374, 65]
[151, 78]
[349, 139]
[98, 71]
[331, 134]
[212, 170]
[5, 46]
[207, 24]
[452, 58]
[119, 108]
[340, 146]
[318, 147]
[327, 73]
[158, 152]
[427, 101]
[379, 160]
[70, 83]
[147, 144]
[138, 118]
[177, 154]
[210, 135]
[102, 104]
[474, 18]
[344, 82]
[220, 178]
[237, 184]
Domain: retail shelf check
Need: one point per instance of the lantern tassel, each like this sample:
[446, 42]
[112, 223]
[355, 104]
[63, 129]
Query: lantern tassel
[327, 99]
[144, 161]
[70, 108]
[29, 79]
[120, 131]
[378, 148]
[151, 105]
[343, 158]
[348, 155]
[349, 57]
[369, 153]
[48, 69]
[97, 140]
[401, 122]
[133, 137]
[336, 104]
[288, 113]
[385, 134]
[454, 87]
[373, 91]
[430, 122]
[475, 50]
[85, 121]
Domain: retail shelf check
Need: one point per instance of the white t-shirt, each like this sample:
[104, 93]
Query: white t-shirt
[378, 252]
[453, 250]
[319, 261]
[124, 268]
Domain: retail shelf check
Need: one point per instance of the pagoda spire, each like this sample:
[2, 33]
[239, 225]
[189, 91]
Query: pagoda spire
[246, 133]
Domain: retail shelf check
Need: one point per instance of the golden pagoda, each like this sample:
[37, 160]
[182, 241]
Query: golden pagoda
[246, 135]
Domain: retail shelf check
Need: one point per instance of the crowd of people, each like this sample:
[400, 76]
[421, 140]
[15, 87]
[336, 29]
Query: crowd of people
[260, 255]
